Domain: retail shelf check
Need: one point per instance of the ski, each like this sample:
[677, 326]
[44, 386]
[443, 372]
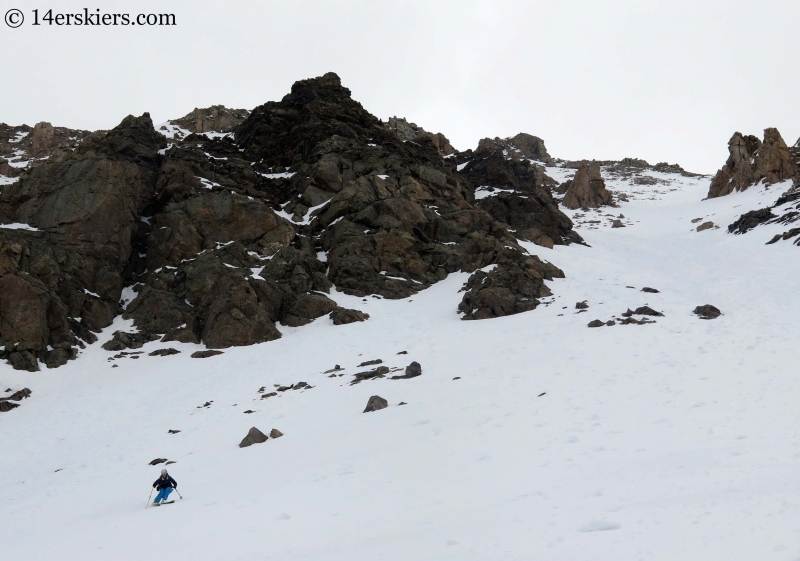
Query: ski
[165, 503]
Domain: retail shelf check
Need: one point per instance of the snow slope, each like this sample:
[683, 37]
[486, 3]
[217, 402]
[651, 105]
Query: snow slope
[673, 440]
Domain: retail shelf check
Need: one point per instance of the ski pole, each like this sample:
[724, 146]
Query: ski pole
[176, 490]
[148, 500]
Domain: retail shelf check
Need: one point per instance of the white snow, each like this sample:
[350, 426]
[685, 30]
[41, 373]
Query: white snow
[19, 226]
[308, 217]
[4, 180]
[482, 192]
[673, 440]
[459, 167]
[18, 137]
[171, 130]
[207, 183]
[285, 174]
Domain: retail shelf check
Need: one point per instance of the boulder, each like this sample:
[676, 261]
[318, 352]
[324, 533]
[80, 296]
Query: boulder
[587, 189]
[650, 290]
[707, 311]
[275, 433]
[122, 340]
[596, 323]
[376, 403]
[642, 311]
[254, 436]
[306, 308]
[205, 354]
[164, 352]
[705, 226]
[342, 316]
[412, 371]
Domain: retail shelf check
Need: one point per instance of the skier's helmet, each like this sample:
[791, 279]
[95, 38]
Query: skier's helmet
[163, 472]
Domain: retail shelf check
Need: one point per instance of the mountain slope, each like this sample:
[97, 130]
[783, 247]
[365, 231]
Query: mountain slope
[661, 441]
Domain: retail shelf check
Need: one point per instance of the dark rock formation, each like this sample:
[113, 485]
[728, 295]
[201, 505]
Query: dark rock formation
[370, 362]
[412, 371]
[164, 352]
[220, 238]
[707, 311]
[379, 372]
[376, 403]
[705, 226]
[205, 354]
[587, 189]
[596, 323]
[650, 290]
[751, 161]
[342, 316]
[529, 209]
[510, 288]
[7, 403]
[254, 436]
[217, 118]
[750, 220]
[406, 131]
[275, 433]
[642, 311]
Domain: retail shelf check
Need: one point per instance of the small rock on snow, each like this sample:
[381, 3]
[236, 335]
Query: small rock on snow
[376, 403]
[254, 436]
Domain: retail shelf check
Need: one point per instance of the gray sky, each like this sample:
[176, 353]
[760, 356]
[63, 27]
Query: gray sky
[660, 80]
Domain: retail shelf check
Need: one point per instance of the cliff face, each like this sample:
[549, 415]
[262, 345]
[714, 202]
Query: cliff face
[214, 238]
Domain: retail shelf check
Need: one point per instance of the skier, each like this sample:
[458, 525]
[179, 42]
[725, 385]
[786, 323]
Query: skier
[164, 484]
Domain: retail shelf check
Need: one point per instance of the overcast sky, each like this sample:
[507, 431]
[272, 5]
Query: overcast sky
[660, 80]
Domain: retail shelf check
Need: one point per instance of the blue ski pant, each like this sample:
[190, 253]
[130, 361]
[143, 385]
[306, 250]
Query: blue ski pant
[163, 494]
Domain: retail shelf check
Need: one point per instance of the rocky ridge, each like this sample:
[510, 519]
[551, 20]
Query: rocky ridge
[215, 237]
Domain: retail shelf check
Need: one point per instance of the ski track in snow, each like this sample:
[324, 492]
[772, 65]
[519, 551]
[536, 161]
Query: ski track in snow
[673, 440]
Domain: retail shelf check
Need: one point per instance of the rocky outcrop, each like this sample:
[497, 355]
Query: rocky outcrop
[751, 161]
[218, 239]
[524, 203]
[509, 288]
[406, 131]
[67, 268]
[22, 147]
[43, 138]
[519, 148]
[587, 189]
[216, 118]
